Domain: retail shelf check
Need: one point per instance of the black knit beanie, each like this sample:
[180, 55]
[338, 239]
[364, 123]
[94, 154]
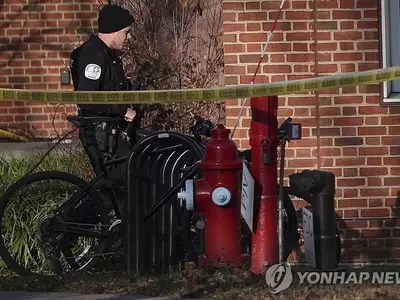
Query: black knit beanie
[113, 18]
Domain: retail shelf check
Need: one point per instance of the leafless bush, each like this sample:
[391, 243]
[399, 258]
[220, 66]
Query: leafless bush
[176, 45]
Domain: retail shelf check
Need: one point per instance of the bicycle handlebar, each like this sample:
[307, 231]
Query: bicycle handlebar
[202, 127]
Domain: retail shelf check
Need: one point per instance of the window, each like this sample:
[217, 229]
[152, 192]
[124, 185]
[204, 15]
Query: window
[390, 33]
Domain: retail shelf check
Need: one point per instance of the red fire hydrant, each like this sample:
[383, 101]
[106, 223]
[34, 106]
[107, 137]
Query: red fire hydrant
[217, 197]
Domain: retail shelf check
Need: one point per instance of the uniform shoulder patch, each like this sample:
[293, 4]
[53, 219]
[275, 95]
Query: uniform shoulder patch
[92, 71]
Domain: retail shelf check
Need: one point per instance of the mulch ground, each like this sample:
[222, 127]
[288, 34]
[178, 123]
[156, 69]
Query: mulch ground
[192, 282]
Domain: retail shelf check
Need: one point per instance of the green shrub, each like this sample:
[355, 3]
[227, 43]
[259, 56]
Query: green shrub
[22, 216]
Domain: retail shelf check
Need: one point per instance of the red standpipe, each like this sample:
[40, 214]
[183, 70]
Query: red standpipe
[264, 142]
[217, 198]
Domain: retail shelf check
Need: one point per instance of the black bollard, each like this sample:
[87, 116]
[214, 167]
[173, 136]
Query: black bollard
[321, 185]
[324, 223]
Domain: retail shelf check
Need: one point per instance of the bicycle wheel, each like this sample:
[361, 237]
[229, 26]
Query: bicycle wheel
[29, 219]
[290, 225]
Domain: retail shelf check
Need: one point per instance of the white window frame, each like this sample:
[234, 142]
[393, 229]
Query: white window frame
[390, 44]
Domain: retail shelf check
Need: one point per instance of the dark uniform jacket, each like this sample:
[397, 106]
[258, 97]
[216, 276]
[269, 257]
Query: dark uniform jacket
[96, 67]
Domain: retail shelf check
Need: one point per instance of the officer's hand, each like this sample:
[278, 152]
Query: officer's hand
[130, 115]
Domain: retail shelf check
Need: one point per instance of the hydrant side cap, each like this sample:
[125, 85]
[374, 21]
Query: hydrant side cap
[187, 195]
[221, 196]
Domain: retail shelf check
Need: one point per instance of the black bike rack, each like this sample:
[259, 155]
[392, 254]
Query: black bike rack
[155, 173]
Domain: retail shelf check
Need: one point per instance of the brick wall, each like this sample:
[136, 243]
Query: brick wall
[345, 130]
[36, 41]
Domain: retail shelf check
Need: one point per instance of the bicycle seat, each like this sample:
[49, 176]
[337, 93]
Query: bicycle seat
[140, 133]
[87, 121]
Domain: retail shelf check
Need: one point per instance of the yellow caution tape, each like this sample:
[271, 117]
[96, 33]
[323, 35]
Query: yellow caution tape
[219, 93]
[13, 136]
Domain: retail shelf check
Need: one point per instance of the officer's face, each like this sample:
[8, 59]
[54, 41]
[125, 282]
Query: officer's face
[120, 37]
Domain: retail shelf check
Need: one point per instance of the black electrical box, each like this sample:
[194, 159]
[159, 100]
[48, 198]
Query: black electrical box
[64, 76]
[295, 131]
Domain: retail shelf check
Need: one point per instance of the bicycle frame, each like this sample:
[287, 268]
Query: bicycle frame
[72, 202]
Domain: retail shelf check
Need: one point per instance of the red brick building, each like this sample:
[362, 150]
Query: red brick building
[352, 131]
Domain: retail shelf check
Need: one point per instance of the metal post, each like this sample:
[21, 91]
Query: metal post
[324, 223]
[322, 185]
[280, 201]
[264, 141]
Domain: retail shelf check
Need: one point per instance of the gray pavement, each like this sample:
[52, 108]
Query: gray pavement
[22, 149]
[73, 296]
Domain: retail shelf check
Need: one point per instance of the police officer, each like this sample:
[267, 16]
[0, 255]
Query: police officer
[96, 66]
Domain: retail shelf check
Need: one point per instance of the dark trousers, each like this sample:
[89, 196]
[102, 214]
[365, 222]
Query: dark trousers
[99, 146]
